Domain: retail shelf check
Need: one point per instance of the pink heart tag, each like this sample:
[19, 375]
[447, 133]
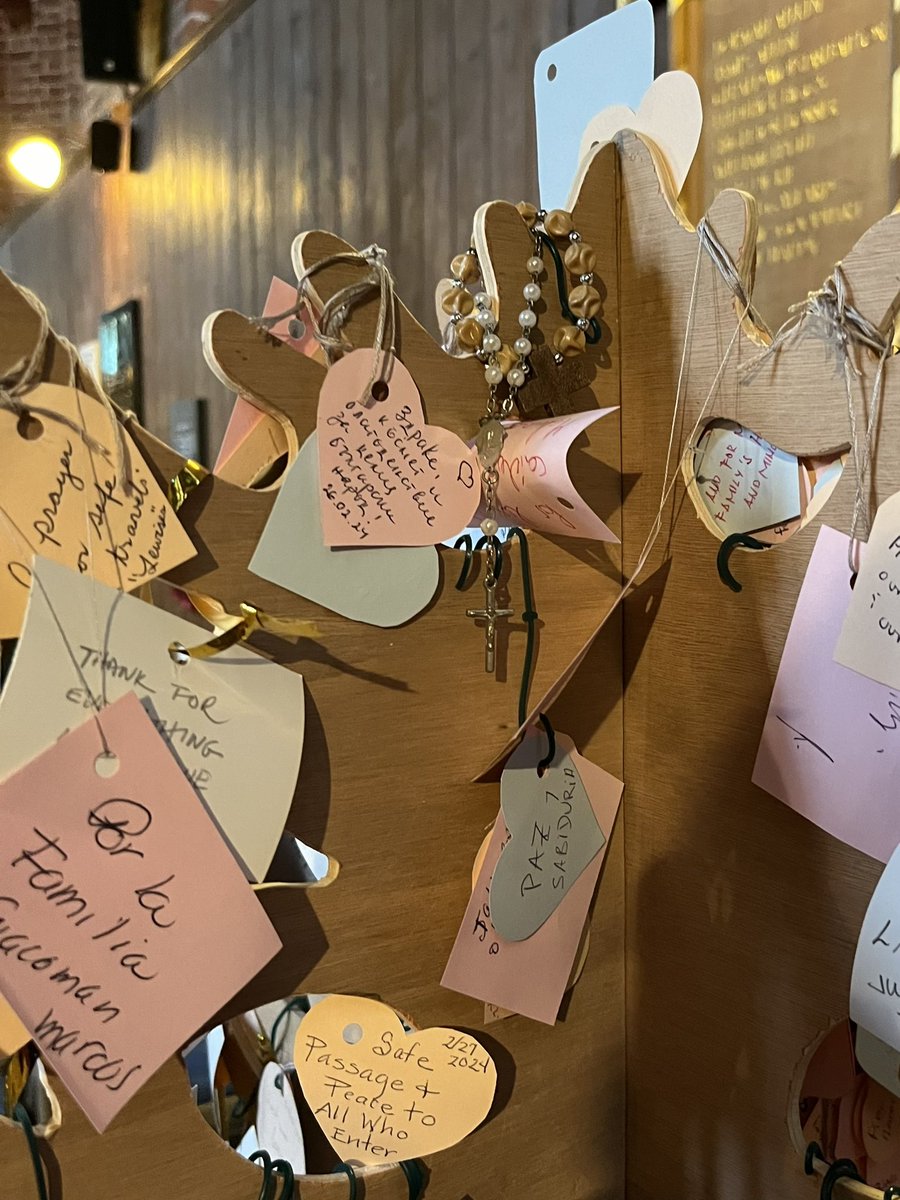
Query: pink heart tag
[386, 478]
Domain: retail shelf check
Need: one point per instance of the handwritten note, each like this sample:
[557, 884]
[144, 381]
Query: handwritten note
[234, 723]
[387, 478]
[875, 984]
[104, 915]
[830, 746]
[277, 1120]
[62, 498]
[741, 483]
[530, 977]
[554, 835]
[870, 635]
[382, 1095]
[535, 490]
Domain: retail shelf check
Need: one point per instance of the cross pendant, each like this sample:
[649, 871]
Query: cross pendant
[550, 389]
[489, 614]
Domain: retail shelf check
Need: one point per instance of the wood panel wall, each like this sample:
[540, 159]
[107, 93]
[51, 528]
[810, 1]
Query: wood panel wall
[384, 120]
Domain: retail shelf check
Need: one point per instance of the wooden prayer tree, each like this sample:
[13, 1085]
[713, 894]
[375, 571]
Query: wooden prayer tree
[725, 945]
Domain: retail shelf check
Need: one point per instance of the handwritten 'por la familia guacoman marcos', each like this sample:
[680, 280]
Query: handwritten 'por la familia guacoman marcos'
[117, 826]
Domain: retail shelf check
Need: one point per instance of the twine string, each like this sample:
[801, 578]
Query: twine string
[25, 376]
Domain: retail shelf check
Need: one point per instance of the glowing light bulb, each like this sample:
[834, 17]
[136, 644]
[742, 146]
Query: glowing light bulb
[37, 160]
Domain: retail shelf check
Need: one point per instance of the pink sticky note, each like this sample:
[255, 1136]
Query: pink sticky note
[535, 491]
[246, 418]
[111, 946]
[530, 977]
[386, 478]
[830, 746]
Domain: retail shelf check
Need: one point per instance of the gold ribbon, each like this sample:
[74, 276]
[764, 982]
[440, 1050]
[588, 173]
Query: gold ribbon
[189, 477]
[250, 620]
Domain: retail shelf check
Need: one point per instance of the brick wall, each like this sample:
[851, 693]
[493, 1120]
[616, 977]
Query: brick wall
[41, 84]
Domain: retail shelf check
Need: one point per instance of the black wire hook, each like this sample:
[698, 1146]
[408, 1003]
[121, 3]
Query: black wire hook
[551, 744]
[415, 1177]
[841, 1168]
[351, 1175]
[728, 547]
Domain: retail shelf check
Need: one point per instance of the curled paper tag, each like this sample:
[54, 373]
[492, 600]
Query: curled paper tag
[61, 497]
[381, 587]
[103, 908]
[382, 1095]
[554, 834]
[875, 982]
[870, 635]
[386, 478]
[277, 1120]
[234, 723]
[535, 490]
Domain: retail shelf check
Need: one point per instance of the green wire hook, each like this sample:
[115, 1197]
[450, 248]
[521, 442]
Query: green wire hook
[21, 1117]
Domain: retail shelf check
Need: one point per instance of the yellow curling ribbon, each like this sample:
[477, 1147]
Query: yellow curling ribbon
[190, 476]
[250, 620]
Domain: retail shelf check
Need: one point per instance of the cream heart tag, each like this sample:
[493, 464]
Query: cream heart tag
[384, 587]
[382, 1095]
[386, 478]
[554, 835]
[670, 114]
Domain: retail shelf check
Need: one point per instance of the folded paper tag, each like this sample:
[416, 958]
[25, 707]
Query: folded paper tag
[234, 723]
[386, 477]
[875, 983]
[830, 746]
[870, 635]
[382, 1095]
[103, 910]
[741, 483]
[384, 587]
[61, 496]
[530, 977]
[277, 1120]
[554, 835]
[535, 490]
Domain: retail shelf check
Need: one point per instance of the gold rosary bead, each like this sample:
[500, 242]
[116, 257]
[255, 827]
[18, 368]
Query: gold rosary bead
[457, 300]
[506, 359]
[580, 258]
[569, 340]
[465, 267]
[527, 212]
[559, 223]
[468, 334]
[585, 301]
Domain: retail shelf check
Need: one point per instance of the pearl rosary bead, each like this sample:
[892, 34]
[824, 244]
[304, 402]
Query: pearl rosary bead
[486, 318]
[522, 347]
[532, 291]
[482, 299]
[489, 527]
[490, 343]
[527, 318]
[516, 377]
[534, 265]
[493, 375]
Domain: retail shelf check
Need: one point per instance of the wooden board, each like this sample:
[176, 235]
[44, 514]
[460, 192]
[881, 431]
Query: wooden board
[797, 104]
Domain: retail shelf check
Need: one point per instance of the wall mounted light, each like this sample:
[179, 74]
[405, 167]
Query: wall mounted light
[37, 160]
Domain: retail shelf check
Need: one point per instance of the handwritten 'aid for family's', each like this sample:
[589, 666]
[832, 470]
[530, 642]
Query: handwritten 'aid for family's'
[382, 1095]
[110, 946]
[234, 723]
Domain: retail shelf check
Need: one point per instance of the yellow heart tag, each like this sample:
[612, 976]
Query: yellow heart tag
[382, 1095]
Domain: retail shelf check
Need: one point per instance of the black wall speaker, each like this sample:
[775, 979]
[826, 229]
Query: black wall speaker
[110, 40]
[106, 146]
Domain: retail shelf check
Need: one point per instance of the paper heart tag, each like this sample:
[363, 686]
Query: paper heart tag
[870, 635]
[670, 114]
[384, 587]
[61, 497]
[382, 1095]
[554, 835]
[235, 723]
[386, 478]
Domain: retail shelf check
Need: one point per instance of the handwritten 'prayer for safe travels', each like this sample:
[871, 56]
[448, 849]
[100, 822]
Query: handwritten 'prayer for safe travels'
[66, 499]
[104, 915]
